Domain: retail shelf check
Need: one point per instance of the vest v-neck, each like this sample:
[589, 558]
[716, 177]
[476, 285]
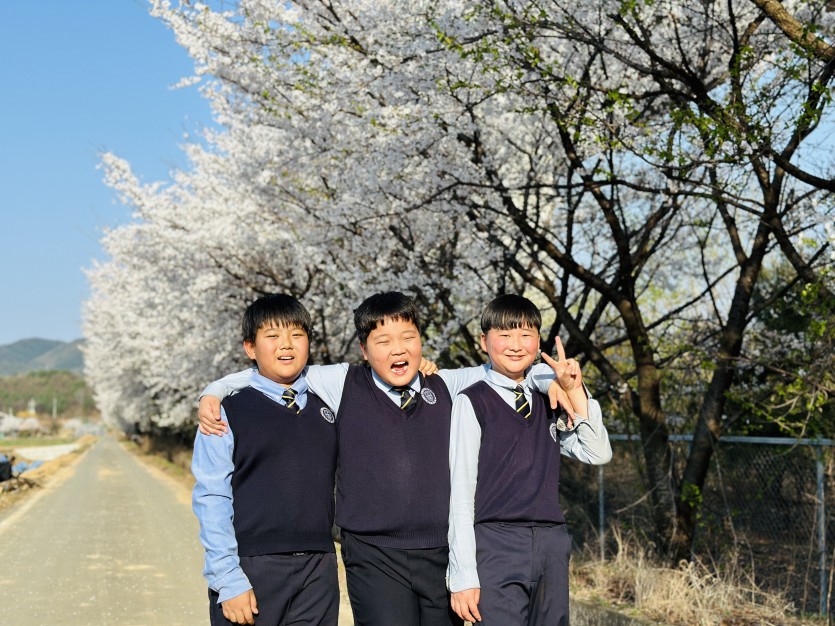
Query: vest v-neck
[527, 422]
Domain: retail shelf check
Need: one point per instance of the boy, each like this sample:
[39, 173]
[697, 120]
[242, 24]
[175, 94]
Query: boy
[509, 546]
[264, 493]
[392, 493]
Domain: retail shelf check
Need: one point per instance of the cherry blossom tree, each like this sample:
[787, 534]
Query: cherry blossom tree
[632, 167]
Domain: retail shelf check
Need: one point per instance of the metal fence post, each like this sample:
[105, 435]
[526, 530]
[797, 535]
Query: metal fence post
[821, 529]
[601, 513]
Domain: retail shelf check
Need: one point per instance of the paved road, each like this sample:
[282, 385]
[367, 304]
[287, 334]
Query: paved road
[111, 543]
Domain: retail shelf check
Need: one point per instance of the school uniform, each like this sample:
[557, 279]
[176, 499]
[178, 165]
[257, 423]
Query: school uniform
[392, 501]
[507, 533]
[264, 498]
[392, 491]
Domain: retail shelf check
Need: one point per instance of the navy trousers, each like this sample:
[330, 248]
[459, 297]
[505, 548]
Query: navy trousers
[391, 586]
[523, 571]
[290, 589]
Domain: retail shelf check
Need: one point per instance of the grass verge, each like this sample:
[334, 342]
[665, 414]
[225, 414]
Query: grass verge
[27, 442]
[174, 460]
[693, 594]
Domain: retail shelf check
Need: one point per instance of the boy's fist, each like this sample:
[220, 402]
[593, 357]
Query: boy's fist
[241, 609]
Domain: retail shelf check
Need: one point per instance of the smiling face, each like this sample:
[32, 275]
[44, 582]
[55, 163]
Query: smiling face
[393, 350]
[512, 350]
[281, 352]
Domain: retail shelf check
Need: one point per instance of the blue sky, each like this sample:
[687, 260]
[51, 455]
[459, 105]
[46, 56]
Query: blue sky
[78, 79]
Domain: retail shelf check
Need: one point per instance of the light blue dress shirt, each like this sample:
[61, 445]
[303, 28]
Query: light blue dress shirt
[588, 443]
[212, 496]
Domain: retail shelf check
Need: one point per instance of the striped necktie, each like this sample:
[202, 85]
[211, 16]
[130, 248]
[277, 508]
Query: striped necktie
[523, 408]
[407, 401]
[289, 397]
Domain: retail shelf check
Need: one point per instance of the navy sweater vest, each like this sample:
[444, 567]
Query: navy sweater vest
[518, 462]
[283, 481]
[392, 484]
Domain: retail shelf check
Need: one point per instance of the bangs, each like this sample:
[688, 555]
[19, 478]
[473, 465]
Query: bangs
[279, 309]
[510, 311]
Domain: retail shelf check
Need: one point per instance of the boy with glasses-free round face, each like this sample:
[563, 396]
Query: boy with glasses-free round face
[275, 557]
[393, 350]
[509, 546]
[280, 351]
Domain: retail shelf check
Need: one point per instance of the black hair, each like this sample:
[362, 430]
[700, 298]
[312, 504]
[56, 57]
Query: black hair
[510, 311]
[375, 309]
[278, 308]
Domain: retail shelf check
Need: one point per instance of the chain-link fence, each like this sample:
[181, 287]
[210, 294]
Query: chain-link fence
[767, 509]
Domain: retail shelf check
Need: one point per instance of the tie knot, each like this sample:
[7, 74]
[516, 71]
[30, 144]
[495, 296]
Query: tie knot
[407, 400]
[289, 397]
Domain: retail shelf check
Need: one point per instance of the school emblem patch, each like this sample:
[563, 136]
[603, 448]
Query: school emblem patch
[428, 395]
[553, 429]
[328, 414]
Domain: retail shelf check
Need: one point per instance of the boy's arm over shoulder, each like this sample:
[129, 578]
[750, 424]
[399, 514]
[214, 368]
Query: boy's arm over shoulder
[327, 382]
[464, 445]
[456, 380]
[589, 441]
[212, 467]
[540, 377]
[208, 409]
[228, 385]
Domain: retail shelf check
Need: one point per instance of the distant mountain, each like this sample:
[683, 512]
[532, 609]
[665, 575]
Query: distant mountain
[31, 355]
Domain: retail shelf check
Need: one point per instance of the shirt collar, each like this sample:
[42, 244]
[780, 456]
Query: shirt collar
[275, 391]
[500, 380]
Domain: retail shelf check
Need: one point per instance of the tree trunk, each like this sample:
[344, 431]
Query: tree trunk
[709, 424]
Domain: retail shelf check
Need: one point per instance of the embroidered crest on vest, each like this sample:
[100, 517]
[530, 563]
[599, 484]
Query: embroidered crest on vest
[428, 395]
[552, 429]
[328, 414]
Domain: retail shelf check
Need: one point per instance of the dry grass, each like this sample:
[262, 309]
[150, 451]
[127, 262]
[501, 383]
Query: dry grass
[41, 475]
[173, 460]
[694, 594]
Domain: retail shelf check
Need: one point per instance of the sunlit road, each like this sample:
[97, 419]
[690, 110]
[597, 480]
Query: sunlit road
[112, 543]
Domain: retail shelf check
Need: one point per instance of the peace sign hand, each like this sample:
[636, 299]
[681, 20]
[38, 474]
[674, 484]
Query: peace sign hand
[566, 371]
[570, 380]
